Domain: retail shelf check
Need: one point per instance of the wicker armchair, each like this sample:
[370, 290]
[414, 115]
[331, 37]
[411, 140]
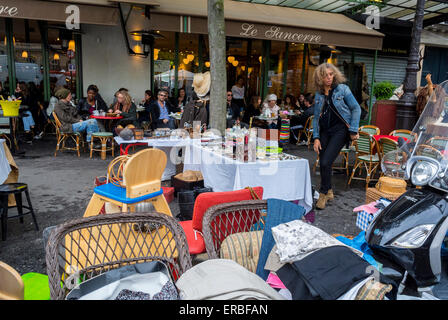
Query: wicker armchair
[225, 219]
[86, 247]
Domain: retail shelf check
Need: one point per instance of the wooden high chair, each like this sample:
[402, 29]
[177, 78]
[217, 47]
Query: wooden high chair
[142, 175]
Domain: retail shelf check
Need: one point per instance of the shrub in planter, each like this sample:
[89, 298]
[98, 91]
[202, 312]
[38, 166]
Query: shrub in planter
[383, 90]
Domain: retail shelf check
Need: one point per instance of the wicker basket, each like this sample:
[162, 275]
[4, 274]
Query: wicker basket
[373, 194]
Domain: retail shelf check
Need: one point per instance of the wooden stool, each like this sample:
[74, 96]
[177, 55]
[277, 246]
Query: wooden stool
[16, 189]
[104, 137]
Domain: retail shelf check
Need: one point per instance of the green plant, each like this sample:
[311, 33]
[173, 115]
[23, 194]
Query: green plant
[383, 90]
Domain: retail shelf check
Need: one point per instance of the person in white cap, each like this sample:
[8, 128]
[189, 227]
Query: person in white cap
[270, 106]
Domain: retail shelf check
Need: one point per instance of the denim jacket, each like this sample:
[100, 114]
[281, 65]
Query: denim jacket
[345, 104]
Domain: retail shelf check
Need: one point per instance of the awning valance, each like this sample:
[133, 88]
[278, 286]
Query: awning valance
[256, 21]
[56, 11]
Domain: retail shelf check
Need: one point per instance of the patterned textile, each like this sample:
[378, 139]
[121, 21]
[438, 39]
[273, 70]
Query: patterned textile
[373, 290]
[284, 130]
[243, 248]
[363, 220]
[297, 239]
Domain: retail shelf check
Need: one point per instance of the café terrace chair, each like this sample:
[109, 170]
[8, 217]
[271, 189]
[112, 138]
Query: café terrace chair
[83, 248]
[142, 174]
[366, 157]
[11, 284]
[408, 134]
[62, 137]
[307, 130]
[370, 129]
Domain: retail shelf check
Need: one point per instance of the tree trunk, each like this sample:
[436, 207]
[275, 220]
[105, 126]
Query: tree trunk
[218, 73]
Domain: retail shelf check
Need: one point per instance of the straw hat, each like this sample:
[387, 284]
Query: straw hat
[201, 83]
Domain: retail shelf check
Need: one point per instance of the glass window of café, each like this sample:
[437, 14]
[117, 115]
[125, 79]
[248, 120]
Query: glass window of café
[3, 58]
[164, 60]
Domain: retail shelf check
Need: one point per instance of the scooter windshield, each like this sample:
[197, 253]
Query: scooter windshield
[428, 140]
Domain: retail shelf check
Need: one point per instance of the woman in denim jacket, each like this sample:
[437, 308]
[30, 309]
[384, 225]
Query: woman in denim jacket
[336, 122]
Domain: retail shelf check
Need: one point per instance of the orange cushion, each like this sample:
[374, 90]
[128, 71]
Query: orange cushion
[196, 244]
[208, 199]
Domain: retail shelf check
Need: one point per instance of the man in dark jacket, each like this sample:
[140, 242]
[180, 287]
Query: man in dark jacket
[160, 111]
[69, 117]
[92, 102]
[301, 117]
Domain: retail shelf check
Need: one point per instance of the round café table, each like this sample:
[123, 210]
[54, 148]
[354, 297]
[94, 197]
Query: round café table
[107, 118]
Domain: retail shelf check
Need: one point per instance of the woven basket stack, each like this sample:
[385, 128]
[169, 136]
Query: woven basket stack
[387, 187]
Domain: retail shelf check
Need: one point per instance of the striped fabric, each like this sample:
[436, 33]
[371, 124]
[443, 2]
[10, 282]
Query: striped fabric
[284, 131]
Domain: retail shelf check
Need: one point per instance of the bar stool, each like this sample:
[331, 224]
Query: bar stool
[16, 189]
[103, 137]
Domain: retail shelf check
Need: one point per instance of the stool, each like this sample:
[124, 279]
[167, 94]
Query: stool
[104, 137]
[16, 189]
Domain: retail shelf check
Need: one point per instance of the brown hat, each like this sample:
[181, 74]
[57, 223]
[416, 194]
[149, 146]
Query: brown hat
[62, 93]
[201, 84]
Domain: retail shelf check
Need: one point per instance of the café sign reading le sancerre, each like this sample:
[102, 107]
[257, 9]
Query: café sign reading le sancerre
[276, 33]
[8, 11]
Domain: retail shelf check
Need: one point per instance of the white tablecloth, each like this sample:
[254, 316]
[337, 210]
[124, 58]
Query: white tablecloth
[5, 167]
[281, 179]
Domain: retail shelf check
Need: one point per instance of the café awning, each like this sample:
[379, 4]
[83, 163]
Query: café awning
[57, 11]
[256, 21]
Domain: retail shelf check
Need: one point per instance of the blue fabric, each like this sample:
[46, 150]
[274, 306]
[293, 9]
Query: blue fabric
[89, 126]
[114, 192]
[163, 111]
[359, 243]
[344, 102]
[279, 211]
[28, 121]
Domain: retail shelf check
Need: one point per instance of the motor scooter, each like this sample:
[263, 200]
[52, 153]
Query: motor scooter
[409, 237]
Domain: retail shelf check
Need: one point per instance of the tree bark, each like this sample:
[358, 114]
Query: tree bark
[217, 43]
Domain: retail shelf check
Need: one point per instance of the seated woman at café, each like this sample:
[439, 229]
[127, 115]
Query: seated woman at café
[289, 103]
[270, 106]
[93, 101]
[160, 111]
[71, 120]
[143, 116]
[181, 100]
[125, 108]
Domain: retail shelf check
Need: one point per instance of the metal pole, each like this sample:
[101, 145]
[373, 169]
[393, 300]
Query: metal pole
[305, 52]
[78, 63]
[372, 85]
[11, 55]
[285, 69]
[45, 58]
[176, 63]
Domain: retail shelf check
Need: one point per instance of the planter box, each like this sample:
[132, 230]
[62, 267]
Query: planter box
[384, 115]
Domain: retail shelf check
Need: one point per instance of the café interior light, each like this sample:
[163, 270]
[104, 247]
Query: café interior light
[186, 61]
[138, 48]
[156, 54]
[190, 57]
[24, 54]
[207, 64]
[260, 58]
[13, 40]
[235, 63]
[56, 56]
[71, 45]
[243, 68]
[230, 59]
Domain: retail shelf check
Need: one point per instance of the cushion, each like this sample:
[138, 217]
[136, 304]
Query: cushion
[196, 244]
[168, 192]
[208, 199]
[243, 248]
[117, 193]
[36, 286]
[367, 157]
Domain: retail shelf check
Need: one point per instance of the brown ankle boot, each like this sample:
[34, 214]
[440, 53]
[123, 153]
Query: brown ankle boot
[322, 201]
[330, 194]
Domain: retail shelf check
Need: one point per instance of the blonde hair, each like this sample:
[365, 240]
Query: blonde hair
[126, 103]
[321, 72]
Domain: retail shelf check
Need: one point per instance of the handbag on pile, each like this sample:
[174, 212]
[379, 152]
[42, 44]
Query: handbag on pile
[386, 187]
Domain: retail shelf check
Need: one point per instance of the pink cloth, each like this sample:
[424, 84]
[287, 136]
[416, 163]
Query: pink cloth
[369, 208]
[274, 281]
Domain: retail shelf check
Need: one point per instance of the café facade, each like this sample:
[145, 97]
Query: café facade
[148, 44]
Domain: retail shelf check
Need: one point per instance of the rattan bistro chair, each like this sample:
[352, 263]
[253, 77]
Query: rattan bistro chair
[62, 137]
[83, 248]
[225, 219]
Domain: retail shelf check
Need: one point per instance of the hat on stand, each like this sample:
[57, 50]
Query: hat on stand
[201, 84]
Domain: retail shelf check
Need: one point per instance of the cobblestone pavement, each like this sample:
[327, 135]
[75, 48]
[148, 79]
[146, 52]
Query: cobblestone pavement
[60, 188]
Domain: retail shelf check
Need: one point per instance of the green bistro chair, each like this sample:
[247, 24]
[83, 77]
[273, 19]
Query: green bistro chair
[366, 157]
[403, 133]
[370, 129]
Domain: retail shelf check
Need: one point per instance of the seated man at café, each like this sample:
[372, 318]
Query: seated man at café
[92, 102]
[71, 120]
[160, 110]
[301, 117]
[233, 109]
[125, 108]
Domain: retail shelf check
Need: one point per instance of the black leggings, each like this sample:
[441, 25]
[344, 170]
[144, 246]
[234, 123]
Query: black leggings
[331, 142]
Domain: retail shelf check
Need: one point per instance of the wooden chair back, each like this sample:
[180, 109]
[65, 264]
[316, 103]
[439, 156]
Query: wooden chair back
[371, 129]
[408, 134]
[387, 145]
[143, 172]
[365, 144]
[11, 283]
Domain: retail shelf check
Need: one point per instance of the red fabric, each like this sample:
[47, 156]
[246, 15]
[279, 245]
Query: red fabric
[395, 138]
[208, 199]
[196, 243]
[204, 201]
[168, 192]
